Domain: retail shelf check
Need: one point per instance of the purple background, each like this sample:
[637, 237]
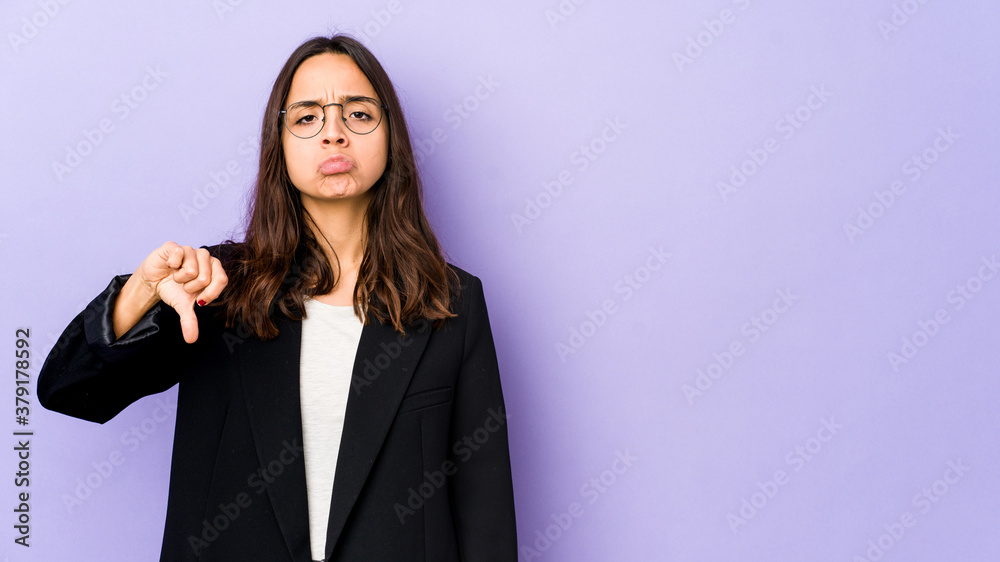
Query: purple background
[536, 90]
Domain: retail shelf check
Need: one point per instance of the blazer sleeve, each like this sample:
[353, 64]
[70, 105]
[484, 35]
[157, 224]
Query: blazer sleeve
[90, 375]
[481, 489]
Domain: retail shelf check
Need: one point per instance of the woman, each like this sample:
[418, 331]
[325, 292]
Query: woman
[339, 396]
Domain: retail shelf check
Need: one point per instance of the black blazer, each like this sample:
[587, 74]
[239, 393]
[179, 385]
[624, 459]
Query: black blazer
[423, 471]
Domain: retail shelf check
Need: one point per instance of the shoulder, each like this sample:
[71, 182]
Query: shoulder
[466, 282]
[465, 278]
[467, 292]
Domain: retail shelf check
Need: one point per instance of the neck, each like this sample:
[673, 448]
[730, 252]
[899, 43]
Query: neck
[339, 227]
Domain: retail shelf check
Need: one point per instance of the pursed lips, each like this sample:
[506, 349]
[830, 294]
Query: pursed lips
[336, 164]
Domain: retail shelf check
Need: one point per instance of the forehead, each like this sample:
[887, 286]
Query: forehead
[329, 77]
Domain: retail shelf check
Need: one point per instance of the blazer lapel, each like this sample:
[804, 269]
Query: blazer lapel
[270, 375]
[382, 371]
[269, 370]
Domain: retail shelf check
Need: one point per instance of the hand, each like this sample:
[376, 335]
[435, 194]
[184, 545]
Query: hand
[182, 276]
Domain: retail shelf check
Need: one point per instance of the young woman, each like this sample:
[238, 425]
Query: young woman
[339, 396]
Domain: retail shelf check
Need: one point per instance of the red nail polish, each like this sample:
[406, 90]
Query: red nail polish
[201, 302]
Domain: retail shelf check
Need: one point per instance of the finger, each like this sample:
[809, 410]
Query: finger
[204, 272]
[219, 282]
[157, 264]
[189, 323]
[172, 254]
[188, 268]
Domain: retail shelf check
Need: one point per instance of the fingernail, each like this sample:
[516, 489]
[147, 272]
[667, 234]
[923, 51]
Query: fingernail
[201, 302]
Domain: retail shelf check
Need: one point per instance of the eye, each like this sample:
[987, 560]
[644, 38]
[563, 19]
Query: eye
[361, 111]
[304, 114]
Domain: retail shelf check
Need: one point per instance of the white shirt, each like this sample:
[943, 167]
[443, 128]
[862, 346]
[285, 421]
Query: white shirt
[330, 336]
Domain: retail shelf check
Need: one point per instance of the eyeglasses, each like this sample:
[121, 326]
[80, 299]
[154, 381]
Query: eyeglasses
[305, 119]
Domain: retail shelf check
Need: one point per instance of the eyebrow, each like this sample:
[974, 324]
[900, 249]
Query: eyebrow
[340, 99]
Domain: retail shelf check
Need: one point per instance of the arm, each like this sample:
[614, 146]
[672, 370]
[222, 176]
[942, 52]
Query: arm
[134, 300]
[129, 341]
[481, 490]
[92, 374]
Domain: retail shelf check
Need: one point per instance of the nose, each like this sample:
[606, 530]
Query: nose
[334, 129]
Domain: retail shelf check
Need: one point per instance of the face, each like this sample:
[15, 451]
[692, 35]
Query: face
[357, 160]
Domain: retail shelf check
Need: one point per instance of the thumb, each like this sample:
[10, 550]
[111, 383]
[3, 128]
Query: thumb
[189, 323]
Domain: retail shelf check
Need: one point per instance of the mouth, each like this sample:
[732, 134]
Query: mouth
[337, 164]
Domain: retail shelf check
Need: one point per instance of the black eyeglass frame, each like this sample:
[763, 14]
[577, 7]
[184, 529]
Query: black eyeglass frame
[384, 111]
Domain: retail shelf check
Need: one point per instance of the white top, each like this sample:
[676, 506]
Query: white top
[330, 336]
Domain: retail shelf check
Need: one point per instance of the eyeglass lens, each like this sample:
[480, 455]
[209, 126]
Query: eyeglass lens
[305, 119]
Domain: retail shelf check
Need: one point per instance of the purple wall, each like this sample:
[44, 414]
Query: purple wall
[741, 257]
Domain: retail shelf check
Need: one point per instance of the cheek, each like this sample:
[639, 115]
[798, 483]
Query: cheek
[383, 163]
[293, 159]
[383, 152]
[285, 153]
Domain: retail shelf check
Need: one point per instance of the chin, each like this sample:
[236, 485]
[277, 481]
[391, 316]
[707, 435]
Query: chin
[339, 188]
[333, 196]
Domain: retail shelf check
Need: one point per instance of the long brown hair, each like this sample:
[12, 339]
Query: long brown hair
[403, 276]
